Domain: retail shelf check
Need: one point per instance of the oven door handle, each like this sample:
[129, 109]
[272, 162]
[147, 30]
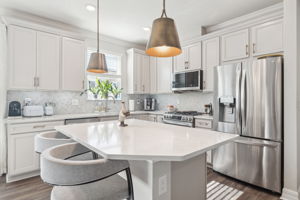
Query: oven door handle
[189, 124]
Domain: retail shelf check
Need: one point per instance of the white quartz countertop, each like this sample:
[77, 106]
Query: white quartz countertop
[144, 140]
[19, 120]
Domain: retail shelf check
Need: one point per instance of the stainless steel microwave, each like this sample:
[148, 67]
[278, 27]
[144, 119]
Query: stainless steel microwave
[188, 81]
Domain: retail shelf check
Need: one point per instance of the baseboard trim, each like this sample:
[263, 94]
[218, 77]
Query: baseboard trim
[288, 194]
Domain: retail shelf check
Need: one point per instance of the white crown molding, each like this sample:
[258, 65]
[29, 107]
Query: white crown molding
[288, 194]
[258, 17]
[11, 17]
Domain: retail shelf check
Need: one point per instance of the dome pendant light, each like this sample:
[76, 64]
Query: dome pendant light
[97, 63]
[164, 40]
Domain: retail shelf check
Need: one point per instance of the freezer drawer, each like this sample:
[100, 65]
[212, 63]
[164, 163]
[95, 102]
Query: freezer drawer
[251, 160]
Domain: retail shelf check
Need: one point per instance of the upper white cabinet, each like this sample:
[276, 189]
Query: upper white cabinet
[22, 57]
[73, 64]
[189, 59]
[267, 38]
[235, 45]
[35, 61]
[48, 61]
[164, 69]
[153, 72]
[161, 75]
[138, 72]
[211, 58]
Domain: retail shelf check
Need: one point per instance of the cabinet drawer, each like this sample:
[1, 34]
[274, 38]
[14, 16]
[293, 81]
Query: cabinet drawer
[202, 123]
[33, 127]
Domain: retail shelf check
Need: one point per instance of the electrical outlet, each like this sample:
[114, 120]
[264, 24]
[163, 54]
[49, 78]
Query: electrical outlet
[162, 185]
[75, 102]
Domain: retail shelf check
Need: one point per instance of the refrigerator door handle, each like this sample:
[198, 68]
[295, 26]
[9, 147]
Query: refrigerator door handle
[255, 144]
[238, 98]
[243, 100]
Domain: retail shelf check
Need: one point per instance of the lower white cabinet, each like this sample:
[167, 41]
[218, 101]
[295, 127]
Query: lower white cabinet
[22, 158]
[23, 161]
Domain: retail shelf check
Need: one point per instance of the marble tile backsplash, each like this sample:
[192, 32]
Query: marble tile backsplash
[187, 101]
[63, 101]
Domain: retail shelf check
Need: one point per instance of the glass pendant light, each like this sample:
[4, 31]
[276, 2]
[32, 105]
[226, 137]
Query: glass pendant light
[97, 63]
[164, 40]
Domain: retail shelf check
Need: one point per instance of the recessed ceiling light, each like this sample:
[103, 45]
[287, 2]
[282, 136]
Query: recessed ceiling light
[146, 28]
[90, 7]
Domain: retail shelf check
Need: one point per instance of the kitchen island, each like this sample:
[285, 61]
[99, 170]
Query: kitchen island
[167, 162]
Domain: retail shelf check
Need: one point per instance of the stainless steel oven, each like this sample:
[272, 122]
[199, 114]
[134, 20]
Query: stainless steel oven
[187, 81]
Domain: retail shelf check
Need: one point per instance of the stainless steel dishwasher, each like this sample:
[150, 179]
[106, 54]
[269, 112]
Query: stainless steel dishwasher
[82, 120]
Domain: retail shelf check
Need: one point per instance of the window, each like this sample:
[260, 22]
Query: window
[114, 74]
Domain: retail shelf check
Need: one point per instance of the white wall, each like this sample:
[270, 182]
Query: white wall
[291, 100]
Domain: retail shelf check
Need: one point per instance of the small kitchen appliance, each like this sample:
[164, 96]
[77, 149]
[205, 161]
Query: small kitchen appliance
[149, 104]
[49, 109]
[14, 109]
[33, 111]
[188, 81]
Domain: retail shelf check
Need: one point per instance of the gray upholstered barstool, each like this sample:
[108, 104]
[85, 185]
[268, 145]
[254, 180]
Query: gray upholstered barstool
[49, 139]
[95, 179]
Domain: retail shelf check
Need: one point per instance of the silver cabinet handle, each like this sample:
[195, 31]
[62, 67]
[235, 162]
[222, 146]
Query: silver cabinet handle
[37, 81]
[83, 84]
[253, 48]
[247, 49]
[39, 126]
[34, 81]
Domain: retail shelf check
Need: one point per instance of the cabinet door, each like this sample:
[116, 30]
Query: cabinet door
[267, 38]
[145, 74]
[21, 155]
[194, 61]
[48, 51]
[210, 56]
[22, 57]
[180, 61]
[235, 45]
[164, 75]
[153, 74]
[73, 68]
[138, 73]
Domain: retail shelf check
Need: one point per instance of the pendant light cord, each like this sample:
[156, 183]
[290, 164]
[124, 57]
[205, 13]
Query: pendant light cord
[164, 10]
[98, 26]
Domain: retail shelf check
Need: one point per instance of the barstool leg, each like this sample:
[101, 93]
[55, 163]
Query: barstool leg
[95, 156]
[130, 185]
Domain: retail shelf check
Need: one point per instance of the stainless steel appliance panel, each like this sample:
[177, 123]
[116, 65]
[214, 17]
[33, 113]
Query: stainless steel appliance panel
[190, 80]
[251, 160]
[227, 98]
[261, 102]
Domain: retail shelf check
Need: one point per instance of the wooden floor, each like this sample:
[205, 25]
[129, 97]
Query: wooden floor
[250, 192]
[35, 189]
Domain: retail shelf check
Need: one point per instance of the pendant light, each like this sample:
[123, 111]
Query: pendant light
[164, 40]
[97, 63]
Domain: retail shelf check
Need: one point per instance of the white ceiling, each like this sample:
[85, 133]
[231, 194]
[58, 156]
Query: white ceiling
[124, 19]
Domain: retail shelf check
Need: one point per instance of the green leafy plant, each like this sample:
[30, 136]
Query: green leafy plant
[105, 89]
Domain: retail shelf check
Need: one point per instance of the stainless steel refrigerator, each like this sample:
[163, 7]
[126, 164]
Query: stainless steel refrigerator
[248, 101]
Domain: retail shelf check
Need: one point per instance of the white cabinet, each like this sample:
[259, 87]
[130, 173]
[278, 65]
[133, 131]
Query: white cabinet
[211, 58]
[235, 45]
[48, 61]
[189, 59]
[22, 158]
[153, 72]
[23, 161]
[267, 38]
[34, 60]
[164, 69]
[138, 72]
[73, 64]
[22, 57]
